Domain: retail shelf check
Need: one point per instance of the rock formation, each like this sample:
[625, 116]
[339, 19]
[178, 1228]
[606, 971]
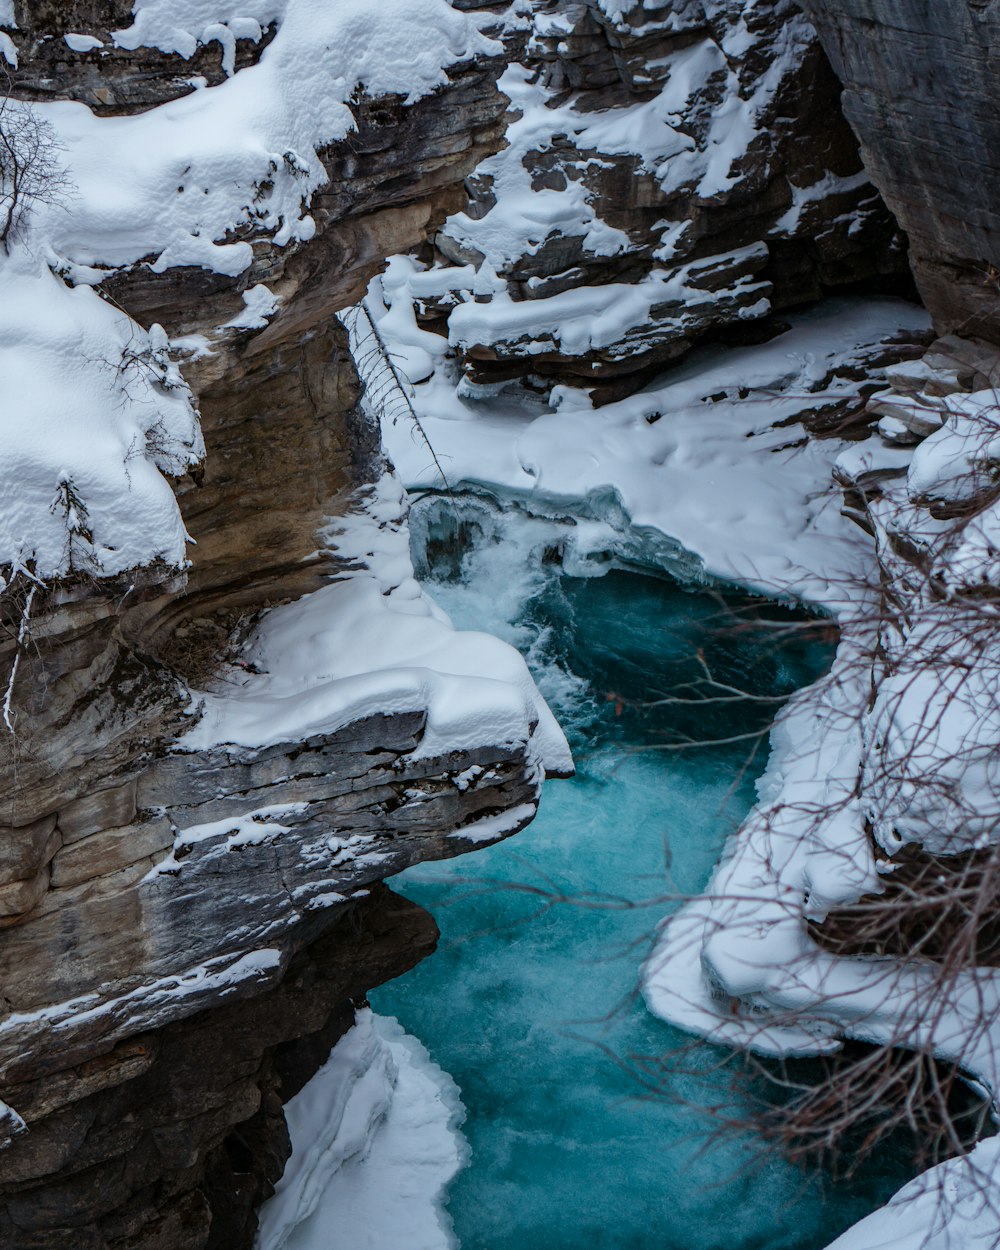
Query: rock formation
[687, 167]
[185, 930]
[920, 88]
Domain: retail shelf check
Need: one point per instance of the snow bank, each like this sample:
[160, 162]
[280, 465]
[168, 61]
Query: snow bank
[375, 1143]
[947, 1208]
[172, 183]
[92, 414]
[701, 455]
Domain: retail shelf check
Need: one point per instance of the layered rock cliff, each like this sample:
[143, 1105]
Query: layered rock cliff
[179, 911]
[677, 173]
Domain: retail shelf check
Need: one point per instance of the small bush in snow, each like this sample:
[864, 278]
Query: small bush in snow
[30, 170]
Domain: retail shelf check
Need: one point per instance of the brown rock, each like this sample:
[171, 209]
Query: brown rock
[104, 809]
[20, 897]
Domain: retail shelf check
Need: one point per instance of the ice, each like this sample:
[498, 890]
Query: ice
[375, 1142]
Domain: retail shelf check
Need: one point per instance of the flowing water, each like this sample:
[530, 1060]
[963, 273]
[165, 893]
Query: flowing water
[531, 1001]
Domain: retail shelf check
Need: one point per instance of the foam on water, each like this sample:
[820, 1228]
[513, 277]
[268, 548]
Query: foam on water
[579, 1135]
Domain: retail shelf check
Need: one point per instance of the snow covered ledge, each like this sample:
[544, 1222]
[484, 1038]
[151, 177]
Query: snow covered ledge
[372, 642]
[375, 1142]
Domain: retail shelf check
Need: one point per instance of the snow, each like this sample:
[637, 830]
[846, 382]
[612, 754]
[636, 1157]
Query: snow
[692, 137]
[704, 459]
[524, 217]
[958, 462]
[582, 319]
[373, 643]
[720, 476]
[699, 458]
[172, 182]
[260, 306]
[82, 43]
[93, 415]
[829, 184]
[947, 1208]
[374, 1145]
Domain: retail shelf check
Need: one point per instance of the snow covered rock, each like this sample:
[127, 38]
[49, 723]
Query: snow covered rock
[675, 171]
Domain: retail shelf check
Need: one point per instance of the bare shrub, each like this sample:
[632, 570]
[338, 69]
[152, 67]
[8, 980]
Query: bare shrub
[31, 172]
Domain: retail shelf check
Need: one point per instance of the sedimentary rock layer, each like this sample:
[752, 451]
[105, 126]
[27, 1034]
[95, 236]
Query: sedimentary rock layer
[678, 172]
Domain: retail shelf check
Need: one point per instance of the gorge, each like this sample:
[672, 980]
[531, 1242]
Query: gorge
[658, 307]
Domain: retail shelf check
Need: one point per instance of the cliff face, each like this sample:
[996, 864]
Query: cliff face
[920, 89]
[176, 916]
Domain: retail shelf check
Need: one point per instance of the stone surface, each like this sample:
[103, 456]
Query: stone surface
[21, 897]
[24, 851]
[173, 1138]
[156, 1009]
[104, 809]
[109, 851]
[920, 89]
[109, 79]
[148, 1008]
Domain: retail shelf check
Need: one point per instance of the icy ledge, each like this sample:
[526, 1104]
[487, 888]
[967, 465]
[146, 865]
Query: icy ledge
[372, 643]
[375, 1143]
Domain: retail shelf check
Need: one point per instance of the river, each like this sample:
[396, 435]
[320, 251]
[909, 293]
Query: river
[591, 1122]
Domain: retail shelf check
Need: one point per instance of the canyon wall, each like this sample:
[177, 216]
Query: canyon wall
[920, 88]
[185, 929]
[679, 173]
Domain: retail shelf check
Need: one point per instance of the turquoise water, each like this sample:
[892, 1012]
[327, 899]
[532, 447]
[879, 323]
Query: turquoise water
[531, 1001]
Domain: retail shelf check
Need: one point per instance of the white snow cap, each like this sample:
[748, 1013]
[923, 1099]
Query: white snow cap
[91, 411]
